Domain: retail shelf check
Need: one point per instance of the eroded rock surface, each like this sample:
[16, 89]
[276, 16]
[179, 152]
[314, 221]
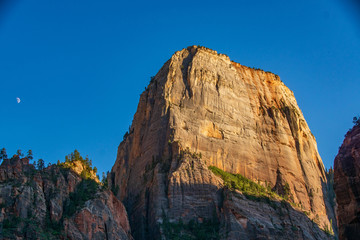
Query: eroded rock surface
[244, 219]
[38, 205]
[347, 185]
[238, 119]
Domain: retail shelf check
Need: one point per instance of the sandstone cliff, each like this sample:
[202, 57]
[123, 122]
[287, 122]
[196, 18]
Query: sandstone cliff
[56, 203]
[238, 119]
[347, 185]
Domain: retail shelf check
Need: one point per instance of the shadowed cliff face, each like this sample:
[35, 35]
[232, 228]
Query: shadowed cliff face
[347, 185]
[238, 119]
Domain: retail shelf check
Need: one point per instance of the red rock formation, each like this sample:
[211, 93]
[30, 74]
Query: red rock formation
[239, 119]
[347, 185]
[33, 205]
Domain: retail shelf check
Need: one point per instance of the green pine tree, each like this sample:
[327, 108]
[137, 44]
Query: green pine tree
[30, 155]
[3, 154]
[19, 153]
[40, 164]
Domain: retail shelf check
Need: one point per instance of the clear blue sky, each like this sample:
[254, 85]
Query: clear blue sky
[80, 66]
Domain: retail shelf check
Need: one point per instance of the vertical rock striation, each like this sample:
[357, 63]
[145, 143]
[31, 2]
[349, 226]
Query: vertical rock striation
[202, 109]
[347, 185]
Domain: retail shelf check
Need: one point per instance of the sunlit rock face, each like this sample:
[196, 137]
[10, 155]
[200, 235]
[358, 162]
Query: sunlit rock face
[237, 118]
[347, 185]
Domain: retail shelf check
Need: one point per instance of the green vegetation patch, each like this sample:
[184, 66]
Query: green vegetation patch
[84, 191]
[207, 230]
[15, 226]
[328, 229]
[249, 188]
[9, 225]
[88, 172]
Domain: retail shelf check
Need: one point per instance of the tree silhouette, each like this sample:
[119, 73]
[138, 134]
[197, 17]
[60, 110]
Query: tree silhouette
[356, 121]
[19, 153]
[3, 154]
[30, 154]
[40, 164]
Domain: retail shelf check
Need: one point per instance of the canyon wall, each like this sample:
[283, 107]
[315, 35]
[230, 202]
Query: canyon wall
[201, 110]
[347, 185]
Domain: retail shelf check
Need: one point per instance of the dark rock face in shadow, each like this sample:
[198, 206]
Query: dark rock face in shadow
[262, 218]
[347, 185]
[329, 199]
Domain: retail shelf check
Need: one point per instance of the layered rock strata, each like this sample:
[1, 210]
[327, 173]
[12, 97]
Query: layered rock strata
[347, 185]
[239, 119]
[36, 204]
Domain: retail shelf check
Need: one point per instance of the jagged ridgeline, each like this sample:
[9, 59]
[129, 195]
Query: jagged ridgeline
[203, 110]
[61, 201]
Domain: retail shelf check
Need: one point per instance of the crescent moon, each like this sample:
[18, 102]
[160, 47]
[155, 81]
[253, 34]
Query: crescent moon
[18, 100]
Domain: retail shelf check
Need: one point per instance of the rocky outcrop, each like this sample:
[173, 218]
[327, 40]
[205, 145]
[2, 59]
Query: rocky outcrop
[347, 185]
[244, 219]
[239, 119]
[94, 221]
[79, 168]
[56, 203]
